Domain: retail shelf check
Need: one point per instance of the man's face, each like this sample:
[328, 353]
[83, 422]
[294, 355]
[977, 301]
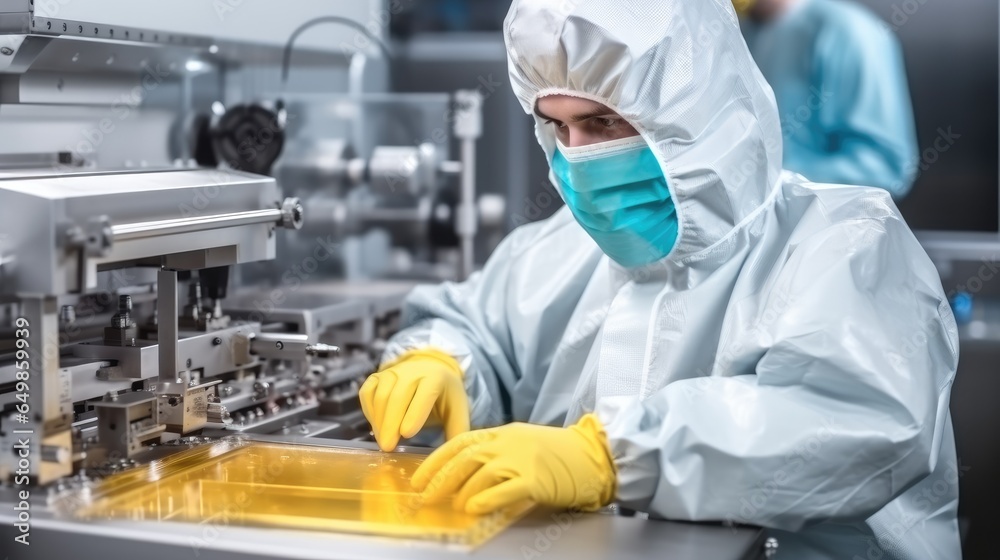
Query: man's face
[581, 122]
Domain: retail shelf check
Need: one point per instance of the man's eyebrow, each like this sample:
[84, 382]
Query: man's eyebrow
[598, 112]
[541, 115]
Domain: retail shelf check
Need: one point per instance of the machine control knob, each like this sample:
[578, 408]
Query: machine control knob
[291, 214]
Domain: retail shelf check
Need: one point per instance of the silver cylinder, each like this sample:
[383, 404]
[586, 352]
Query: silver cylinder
[282, 346]
[395, 170]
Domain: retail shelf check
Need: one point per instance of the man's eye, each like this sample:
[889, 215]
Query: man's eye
[610, 122]
[557, 123]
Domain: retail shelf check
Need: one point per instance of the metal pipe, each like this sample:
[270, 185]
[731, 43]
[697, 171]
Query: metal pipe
[467, 208]
[468, 127]
[141, 230]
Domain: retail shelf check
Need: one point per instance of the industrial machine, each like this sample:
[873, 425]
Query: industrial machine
[201, 256]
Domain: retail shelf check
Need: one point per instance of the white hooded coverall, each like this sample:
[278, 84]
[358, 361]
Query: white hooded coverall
[787, 365]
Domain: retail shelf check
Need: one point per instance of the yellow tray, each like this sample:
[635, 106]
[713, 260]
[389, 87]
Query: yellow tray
[241, 482]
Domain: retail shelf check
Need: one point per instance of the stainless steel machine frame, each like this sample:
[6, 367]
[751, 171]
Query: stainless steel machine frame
[61, 229]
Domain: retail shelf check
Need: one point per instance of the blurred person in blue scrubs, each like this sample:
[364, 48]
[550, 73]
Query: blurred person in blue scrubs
[838, 78]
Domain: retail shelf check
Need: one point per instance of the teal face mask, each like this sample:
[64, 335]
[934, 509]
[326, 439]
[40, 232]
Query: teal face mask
[617, 192]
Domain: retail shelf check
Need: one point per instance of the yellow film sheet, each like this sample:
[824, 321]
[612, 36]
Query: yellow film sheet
[292, 486]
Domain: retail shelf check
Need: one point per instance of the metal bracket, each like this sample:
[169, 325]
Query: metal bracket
[93, 239]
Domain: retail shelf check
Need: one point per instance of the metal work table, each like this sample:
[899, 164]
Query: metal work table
[589, 536]
[548, 533]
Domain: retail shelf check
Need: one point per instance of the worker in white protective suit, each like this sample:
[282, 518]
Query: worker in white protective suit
[713, 341]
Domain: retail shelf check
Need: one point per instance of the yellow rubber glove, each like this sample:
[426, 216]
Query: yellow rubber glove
[490, 469]
[420, 385]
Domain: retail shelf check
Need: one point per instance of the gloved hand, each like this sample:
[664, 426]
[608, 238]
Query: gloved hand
[562, 467]
[422, 384]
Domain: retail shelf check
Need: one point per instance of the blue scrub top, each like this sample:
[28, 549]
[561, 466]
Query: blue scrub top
[838, 77]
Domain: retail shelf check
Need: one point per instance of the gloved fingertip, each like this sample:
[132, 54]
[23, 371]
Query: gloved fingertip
[421, 477]
[429, 497]
[475, 507]
[407, 432]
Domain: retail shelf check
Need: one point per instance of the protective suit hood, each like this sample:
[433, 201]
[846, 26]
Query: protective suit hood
[681, 74]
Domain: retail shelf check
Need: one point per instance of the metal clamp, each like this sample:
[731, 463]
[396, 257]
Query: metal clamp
[94, 239]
